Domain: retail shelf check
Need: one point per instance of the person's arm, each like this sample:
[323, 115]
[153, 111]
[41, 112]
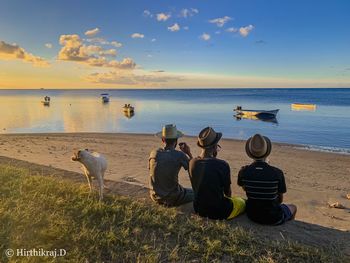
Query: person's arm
[280, 198]
[186, 149]
[239, 178]
[227, 181]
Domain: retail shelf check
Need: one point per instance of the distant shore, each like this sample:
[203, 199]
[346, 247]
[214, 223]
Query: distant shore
[313, 178]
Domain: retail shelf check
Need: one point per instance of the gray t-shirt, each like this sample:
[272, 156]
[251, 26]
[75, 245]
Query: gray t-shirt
[164, 167]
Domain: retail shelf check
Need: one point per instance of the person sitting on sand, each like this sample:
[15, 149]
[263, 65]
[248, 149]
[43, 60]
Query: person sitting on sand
[264, 185]
[164, 166]
[211, 180]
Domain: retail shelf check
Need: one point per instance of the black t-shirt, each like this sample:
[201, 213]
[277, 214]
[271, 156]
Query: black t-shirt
[262, 183]
[209, 177]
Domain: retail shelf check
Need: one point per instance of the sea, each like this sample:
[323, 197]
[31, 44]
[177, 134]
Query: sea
[325, 128]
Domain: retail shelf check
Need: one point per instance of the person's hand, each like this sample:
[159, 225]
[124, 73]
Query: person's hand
[185, 148]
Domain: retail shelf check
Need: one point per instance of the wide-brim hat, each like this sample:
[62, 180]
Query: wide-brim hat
[258, 147]
[169, 131]
[208, 137]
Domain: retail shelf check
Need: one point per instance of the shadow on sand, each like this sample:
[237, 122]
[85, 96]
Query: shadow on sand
[302, 232]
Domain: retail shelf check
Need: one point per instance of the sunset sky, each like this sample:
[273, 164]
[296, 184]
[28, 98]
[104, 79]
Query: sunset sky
[174, 44]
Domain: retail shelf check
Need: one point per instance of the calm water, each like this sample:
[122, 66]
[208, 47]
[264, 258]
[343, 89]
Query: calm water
[82, 111]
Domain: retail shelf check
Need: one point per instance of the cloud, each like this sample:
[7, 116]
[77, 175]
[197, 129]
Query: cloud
[186, 28]
[109, 52]
[153, 40]
[163, 16]
[244, 31]
[48, 45]
[188, 12]
[103, 41]
[174, 28]
[116, 44]
[205, 37]
[232, 30]
[13, 51]
[221, 21]
[147, 13]
[129, 78]
[137, 35]
[92, 32]
[92, 55]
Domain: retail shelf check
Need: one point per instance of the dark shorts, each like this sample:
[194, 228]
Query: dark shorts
[287, 214]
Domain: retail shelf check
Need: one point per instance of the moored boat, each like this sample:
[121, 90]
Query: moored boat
[259, 113]
[105, 97]
[303, 106]
[46, 101]
[128, 108]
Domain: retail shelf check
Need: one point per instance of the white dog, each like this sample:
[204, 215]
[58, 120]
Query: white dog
[94, 165]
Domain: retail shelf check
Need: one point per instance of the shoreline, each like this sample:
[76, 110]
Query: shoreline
[314, 179]
[305, 147]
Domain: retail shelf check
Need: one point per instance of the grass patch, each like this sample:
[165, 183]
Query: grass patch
[49, 213]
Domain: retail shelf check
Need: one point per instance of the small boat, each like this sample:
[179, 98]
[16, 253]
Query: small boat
[46, 101]
[303, 106]
[129, 114]
[128, 108]
[105, 97]
[258, 113]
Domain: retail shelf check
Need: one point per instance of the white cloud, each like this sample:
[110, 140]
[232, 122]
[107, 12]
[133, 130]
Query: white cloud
[92, 32]
[163, 16]
[13, 51]
[205, 37]
[232, 29]
[218, 32]
[174, 27]
[244, 31]
[137, 35]
[188, 12]
[221, 21]
[108, 52]
[48, 45]
[153, 40]
[116, 44]
[186, 28]
[92, 55]
[147, 13]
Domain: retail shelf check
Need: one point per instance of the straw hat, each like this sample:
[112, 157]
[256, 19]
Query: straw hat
[258, 147]
[169, 131]
[208, 137]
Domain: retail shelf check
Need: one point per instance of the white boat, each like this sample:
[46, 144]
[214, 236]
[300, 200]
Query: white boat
[105, 97]
[258, 113]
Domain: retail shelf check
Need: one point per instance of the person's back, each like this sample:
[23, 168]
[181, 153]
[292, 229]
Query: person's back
[165, 165]
[209, 178]
[263, 184]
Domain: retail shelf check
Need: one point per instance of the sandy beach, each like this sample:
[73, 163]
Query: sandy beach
[314, 179]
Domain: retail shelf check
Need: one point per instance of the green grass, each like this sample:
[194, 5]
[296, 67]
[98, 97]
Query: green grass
[49, 213]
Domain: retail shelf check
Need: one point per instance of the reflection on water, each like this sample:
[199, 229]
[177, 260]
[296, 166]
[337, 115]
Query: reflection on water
[256, 118]
[191, 110]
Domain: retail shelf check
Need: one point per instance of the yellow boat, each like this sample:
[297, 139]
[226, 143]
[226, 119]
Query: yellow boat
[303, 106]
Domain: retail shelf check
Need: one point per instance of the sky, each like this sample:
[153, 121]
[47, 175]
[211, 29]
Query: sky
[174, 44]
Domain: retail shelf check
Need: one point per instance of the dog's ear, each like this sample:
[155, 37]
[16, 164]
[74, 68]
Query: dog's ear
[87, 150]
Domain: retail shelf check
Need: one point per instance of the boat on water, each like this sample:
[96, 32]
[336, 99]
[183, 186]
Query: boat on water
[46, 101]
[258, 113]
[105, 97]
[303, 106]
[128, 108]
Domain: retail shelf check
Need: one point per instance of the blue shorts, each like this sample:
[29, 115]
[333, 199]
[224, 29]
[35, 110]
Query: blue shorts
[287, 214]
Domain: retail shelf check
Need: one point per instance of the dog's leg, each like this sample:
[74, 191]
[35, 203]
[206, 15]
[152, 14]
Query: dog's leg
[100, 184]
